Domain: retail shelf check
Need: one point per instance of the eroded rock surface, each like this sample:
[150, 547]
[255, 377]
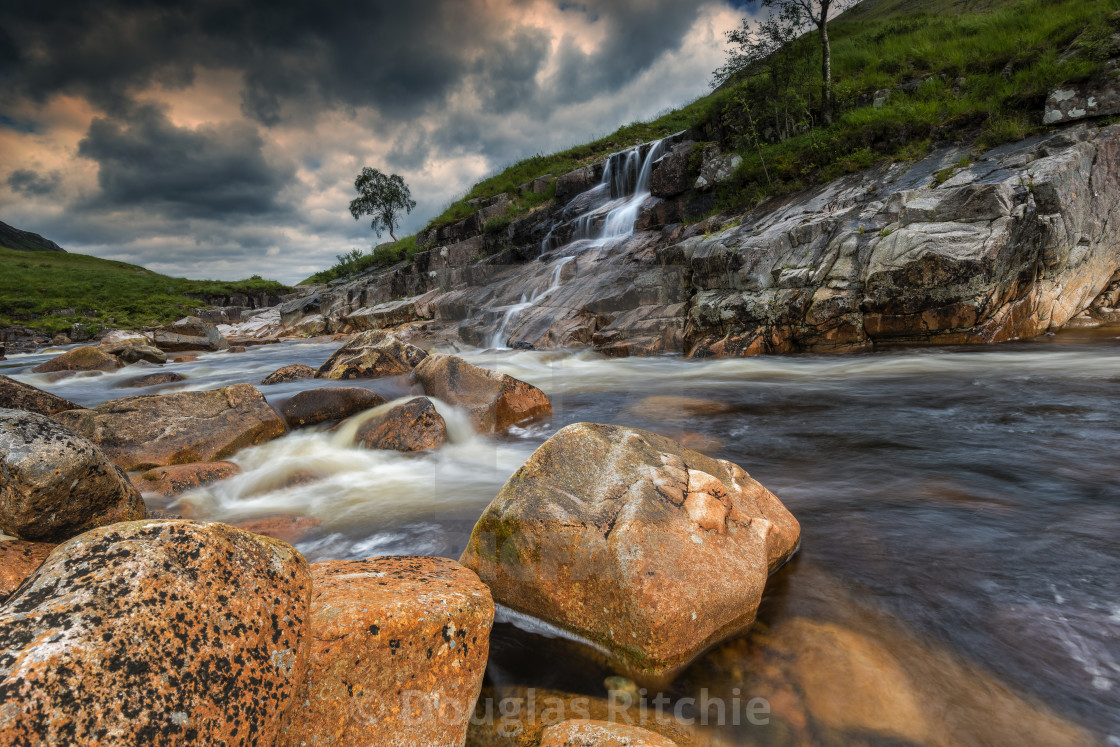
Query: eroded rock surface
[628, 539]
[153, 430]
[294, 372]
[494, 400]
[398, 650]
[371, 355]
[55, 484]
[18, 560]
[589, 733]
[189, 333]
[316, 406]
[87, 358]
[155, 632]
[171, 481]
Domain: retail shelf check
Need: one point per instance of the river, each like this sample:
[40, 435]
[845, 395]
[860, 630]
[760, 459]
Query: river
[960, 511]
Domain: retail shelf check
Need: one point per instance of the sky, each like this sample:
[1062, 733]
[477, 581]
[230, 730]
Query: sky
[220, 138]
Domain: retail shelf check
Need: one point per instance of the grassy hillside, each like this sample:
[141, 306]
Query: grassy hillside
[56, 290]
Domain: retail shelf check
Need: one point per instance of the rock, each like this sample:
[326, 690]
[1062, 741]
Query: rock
[163, 377]
[172, 481]
[716, 167]
[294, 372]
[413, 426]
[321, 405]
[237, 349]
[131, 352]
[189, 333]
[87, 358]
[674, 172]
[16, 395]
[1097, 99]
[185, 359]
[575, 182]
[154, 430]
[629, 540]
[18, 560]
[371, 355]
[669, 407]
[588, 733]
[494, 400]
[56, 483]
[516, 716]
[60, 339]
[155, 632]
[879, 100]
[398, 651]
[286, 528]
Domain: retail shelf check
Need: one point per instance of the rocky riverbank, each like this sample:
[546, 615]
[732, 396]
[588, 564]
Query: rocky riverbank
[181, 632]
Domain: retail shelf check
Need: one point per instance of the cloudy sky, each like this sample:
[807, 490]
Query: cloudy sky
[220, 138]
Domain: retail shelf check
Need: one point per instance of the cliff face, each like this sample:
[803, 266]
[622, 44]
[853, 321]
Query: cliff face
[946, 250]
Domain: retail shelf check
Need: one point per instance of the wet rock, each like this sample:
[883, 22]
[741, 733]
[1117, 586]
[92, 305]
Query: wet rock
[189, 333]
[670, 407]
[60, 339]
[674, 172]
[286, 528]
[588, 733]
[494, 400]
[413, 426]
[88, 358]
[371, 355]
[171, 481]
[155, 632]
[516, 716]
[398, 650]
[16, 395]
[185, 359]
[154, 430]
[328, 403]
[18, 560]
[163, 377]
[131, 352]
[294, 372]
[628, 539]
[55, 483]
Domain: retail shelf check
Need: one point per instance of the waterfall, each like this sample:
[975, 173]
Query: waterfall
[498, 339]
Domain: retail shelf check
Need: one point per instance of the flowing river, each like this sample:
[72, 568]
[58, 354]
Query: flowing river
[960, 510]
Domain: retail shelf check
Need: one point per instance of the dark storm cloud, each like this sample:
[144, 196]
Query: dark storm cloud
[32, 183]
[212, 171]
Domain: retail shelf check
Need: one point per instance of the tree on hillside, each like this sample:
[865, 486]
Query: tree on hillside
[383, 198]
[761, 42]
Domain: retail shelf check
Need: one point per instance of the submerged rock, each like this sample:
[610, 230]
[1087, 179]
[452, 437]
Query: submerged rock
[588, 733]
[494, 400]
[327, 403]
[16, 395]
[153, 430]
[57, 484]
[413, 426]
[87, 358]
[189, 333]
[398, 650]
[18, 560]
[625, 538]
[171, 481]
[155, 632]
[371, 355]
[294, 372]
[163, 377]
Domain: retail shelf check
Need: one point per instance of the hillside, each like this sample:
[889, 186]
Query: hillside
[49, 291]
[974, 71]
[15, 238]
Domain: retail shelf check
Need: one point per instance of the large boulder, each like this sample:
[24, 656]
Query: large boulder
[171, 481]
[134, 352]
[18, 560]
[155, 632]
[16, 395]
[626, 538]
[413, 426]
[494, 400]
[316, 406]
[55, 483]
[674, 172]
[189, 333]
[153, 430]
[293, 372]
[87, 358]
[584, 732]
[398, 651]
[371, 355]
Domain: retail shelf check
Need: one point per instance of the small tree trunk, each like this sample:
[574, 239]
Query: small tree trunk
[826, 67]
[394, 238]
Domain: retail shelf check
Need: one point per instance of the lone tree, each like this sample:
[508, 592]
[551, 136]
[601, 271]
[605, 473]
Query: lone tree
[383, 198]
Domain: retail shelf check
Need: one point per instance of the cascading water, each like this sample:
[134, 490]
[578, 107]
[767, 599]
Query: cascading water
[499, 338]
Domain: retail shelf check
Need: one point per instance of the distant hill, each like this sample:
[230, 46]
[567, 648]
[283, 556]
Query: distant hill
[25, 241]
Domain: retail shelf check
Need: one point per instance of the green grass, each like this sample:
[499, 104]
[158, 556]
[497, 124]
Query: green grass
[356, 262]
[58, 289]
